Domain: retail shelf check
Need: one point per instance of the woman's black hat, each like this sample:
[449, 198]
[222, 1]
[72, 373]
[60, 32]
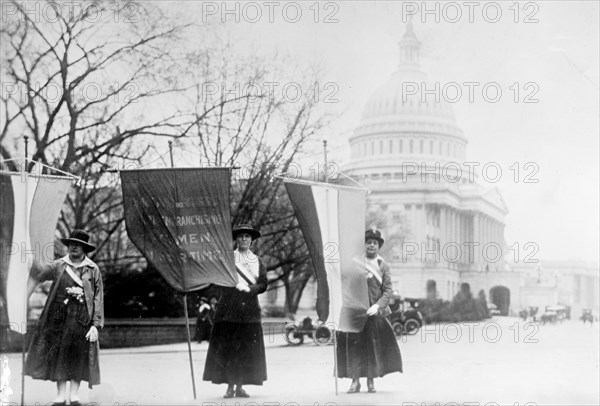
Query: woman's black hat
[245, 228]
[79, 237]
[375, 235]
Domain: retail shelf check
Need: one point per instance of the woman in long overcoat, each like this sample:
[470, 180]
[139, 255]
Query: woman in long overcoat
[373, 352]
[236, 350]
[65, 345]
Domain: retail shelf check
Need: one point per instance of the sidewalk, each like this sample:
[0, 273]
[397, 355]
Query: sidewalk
[541, 367]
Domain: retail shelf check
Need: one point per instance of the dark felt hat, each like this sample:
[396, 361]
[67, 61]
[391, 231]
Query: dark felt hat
[79, 237]
[245, 228]
[375, 235]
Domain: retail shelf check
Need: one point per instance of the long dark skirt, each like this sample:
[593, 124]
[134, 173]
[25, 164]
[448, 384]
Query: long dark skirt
[236, 354]
[59, 350]
[372, 353]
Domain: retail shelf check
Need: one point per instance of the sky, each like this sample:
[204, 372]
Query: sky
[549, 49]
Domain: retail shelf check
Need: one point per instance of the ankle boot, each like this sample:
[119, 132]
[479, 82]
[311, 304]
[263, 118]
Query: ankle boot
[230, 392]
[355, 386]
[371, 385]
[241, 393]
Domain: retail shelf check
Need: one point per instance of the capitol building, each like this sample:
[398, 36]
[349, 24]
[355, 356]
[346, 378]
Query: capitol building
[442, 227]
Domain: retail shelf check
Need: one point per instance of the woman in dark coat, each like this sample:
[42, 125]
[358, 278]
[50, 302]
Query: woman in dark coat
[236, 350]
[65, 346]
[373, 352]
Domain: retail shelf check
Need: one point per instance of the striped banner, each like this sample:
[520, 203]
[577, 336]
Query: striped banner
[29, 209]
[332, 220]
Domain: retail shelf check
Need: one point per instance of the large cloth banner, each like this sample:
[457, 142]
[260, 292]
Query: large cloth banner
[29, 210]
[332, 220]
[180, 220]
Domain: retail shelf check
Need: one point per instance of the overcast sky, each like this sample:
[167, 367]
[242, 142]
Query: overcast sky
[558, 53]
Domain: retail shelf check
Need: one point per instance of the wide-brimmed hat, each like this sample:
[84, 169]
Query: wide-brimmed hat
[375, 235]
[245, 228]
[79, 237]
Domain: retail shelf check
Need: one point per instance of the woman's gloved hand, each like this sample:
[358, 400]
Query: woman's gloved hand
[373, 310]
[242, 288]
[92, 335]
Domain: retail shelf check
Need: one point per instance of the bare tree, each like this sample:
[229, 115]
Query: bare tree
[79, 84]
[244, 117]
[99, 87]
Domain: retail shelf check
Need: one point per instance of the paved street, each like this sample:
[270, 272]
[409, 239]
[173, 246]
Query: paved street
[502, 361]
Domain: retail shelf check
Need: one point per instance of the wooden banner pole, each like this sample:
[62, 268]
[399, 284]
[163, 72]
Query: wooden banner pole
[24, 327]
[335, 361]
[171, 153]
[185, 308]
[189, 341]
[325, 161]
[334, 330]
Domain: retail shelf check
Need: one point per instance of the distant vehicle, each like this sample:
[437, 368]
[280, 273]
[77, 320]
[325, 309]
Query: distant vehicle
[587, 316]
[295, 332]
[405, 317]
[523, 314]
[560, 310]
[533, 311]
[494, 311]
[549, 316]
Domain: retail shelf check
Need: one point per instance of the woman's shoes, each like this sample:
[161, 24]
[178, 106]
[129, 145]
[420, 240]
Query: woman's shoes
[354, 387]
[229, 393]
[371, 385]
[240, 393]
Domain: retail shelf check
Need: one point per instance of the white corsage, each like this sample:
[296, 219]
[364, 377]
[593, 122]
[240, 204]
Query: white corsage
[76, 293]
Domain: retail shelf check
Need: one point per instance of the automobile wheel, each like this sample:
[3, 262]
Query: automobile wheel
[292, 336]
[321, 335]
[398, 329]
[411, 326]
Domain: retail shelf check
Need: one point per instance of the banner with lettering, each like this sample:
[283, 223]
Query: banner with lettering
[180, 220]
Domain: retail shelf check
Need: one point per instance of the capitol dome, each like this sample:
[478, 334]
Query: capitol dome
[401, 96]
[406, 119]
[409, 152]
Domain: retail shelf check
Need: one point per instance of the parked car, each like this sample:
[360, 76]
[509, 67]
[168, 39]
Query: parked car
[533, 311]
[523, 314]
[549, 316]
[295, 332]
[587, 316]
[494, 311]
[405, 317]
[559, 310]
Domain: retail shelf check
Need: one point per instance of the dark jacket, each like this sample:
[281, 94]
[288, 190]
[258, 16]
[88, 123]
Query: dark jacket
[92, 289]
[242, 307]
[381, 293]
